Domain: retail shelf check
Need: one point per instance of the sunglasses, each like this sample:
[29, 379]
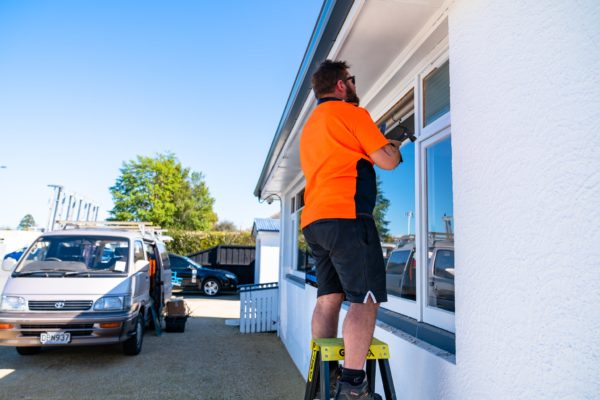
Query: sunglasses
[350, 78]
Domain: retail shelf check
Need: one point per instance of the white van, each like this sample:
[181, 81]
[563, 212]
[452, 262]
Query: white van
[85, 287]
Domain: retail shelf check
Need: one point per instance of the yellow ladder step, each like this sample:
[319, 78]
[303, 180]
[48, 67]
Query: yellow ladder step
[332, 349]
[326, 351]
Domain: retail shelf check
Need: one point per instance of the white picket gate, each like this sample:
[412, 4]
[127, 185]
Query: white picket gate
[259, 307]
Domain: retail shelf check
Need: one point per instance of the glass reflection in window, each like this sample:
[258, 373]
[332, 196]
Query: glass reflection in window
[395, 219]
[440, 235]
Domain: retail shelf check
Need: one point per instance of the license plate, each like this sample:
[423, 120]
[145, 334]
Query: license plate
[55, 337]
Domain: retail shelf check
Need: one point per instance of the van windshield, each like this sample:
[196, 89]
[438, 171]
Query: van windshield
[68, 256]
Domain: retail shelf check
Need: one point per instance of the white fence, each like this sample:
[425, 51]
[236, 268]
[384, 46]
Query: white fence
[259, 307]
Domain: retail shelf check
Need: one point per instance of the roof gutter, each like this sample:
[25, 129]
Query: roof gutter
[331, 19]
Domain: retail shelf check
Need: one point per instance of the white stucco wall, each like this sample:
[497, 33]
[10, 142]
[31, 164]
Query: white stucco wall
[417, 373]
[525, 93]
[295, 312]
[267, 257]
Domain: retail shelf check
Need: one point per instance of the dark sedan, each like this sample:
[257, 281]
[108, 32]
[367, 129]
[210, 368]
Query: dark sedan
[194, 277]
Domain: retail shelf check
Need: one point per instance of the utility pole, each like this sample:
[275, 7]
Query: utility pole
[409, 214]
[448, 223]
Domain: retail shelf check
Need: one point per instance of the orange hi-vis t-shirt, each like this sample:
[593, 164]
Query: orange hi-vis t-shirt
[334, 153]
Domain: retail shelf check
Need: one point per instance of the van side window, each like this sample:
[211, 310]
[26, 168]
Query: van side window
[164, 255]
[138, 251]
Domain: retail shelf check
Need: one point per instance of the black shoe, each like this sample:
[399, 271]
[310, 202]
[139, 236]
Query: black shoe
[347, 391]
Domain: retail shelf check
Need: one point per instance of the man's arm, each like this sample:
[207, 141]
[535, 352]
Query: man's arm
[387, 157]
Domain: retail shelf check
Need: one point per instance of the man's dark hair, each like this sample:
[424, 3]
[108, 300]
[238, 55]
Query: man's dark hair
[327, 76]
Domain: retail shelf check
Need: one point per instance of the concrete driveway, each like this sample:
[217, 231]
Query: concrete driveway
[209, 361]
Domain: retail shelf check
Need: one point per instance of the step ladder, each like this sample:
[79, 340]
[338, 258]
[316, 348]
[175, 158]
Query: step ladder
[325, 351]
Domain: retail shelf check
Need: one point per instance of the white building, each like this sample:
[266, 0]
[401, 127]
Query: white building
[266, 234]
[504, 99]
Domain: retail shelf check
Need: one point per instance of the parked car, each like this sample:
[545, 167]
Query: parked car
[15, 255]
[401, 273]
[67, 289]
[194, 277]
[441, 275]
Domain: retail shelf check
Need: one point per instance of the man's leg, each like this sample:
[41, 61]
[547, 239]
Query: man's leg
[358, 329]
[326, 315]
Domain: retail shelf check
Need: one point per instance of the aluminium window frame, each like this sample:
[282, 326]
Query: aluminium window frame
[290, 258]
[435, 132]
[427, 136]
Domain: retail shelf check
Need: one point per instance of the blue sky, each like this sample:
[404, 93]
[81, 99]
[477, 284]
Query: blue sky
[87, 85]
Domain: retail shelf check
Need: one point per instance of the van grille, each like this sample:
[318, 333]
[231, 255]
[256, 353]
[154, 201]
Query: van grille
[74, 329]
[60, 305]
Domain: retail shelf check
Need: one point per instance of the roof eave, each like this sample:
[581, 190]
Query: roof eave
[331, 19]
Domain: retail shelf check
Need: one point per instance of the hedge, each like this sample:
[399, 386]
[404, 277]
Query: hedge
[189, 242]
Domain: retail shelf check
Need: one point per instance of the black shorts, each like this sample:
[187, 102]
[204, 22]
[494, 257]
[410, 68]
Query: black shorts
[349, 258]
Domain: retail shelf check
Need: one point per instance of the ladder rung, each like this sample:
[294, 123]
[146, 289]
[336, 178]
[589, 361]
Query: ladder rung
[332, 349]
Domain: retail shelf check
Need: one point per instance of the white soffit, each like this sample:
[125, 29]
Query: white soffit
[382, 31]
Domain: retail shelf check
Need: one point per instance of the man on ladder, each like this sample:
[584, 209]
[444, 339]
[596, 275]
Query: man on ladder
[338, 147]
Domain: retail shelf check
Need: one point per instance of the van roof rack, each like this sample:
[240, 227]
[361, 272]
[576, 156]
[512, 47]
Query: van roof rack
[145, 228]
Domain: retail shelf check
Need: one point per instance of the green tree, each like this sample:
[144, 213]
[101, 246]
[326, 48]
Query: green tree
[160, 190]
[224, 226]
[27, 222]
[381, 207]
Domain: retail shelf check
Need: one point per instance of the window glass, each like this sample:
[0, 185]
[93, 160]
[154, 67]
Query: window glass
[138, 251]
[178, 263]
[75, 256]
[436, 92]
[394, 215]
[164, 256]
[440, 235]
[304, 260]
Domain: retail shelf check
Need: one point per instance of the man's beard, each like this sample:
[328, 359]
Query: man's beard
[351, 96]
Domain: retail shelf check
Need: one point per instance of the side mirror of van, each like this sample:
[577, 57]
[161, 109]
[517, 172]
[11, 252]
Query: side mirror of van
[8, 264]
[139, 264]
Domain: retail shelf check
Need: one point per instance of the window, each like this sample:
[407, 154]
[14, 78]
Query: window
[178, 263]
[302, 260]
[395, 212]
[414, 208]
[440, 235]
[164, 256]
[436, 93]
[75, 256]
[138, 251]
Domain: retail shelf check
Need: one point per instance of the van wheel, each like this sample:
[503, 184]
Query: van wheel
[133, 345]
[28, 351]
[211, 287]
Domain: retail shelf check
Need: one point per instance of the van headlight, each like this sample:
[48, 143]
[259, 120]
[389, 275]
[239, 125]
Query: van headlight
[13, 303]
[112, 303]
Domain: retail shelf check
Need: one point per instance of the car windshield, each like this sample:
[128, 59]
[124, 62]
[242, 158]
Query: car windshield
[75, 256]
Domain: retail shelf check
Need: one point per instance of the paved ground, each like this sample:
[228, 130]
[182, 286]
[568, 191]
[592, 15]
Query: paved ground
[210, 361]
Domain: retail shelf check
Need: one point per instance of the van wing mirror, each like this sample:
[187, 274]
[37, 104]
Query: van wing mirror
[8, 264]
